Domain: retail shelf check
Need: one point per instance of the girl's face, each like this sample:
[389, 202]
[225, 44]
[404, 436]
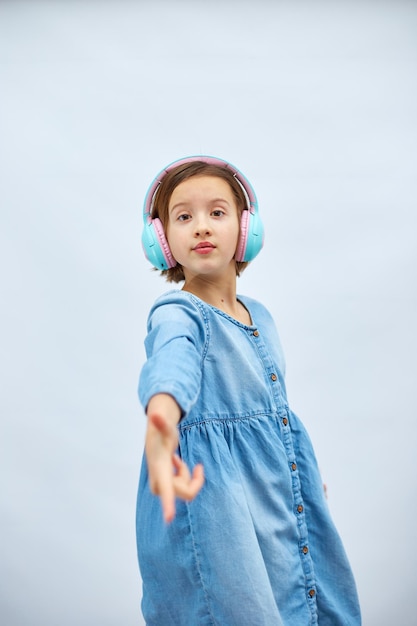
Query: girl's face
[203, 226]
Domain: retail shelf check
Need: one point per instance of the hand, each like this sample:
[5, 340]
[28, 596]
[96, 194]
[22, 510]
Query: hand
[169, 476]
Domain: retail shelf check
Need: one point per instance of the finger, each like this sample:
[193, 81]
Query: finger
[180, 467]
[198, 476]
[184, 473]
[160, 474]
[166, 493]
[162, 425]
[168, 510]
[187, 489]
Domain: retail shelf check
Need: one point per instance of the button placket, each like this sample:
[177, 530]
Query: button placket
[281, 405]
[270, 369]
[305, 555]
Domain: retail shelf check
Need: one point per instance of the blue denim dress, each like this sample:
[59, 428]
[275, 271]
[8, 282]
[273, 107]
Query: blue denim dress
[257, 547]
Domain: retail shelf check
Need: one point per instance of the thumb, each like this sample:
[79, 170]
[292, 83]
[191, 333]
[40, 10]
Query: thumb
[161, 424]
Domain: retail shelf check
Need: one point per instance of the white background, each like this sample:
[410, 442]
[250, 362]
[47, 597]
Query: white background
[316, 102]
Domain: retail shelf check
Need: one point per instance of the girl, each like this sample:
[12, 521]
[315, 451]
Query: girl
[248, 540]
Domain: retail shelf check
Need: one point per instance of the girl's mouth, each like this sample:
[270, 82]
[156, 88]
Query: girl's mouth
[204, 247]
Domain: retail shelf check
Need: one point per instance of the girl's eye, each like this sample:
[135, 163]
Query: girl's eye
[183, 217]
[218, 212]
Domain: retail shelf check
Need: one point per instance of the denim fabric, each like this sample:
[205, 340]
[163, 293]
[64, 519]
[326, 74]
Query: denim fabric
[257, 547]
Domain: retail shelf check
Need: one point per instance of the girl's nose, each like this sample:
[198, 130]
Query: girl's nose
[202, 228]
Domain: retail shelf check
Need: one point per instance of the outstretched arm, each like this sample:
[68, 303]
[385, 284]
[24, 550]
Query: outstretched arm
[169, 476]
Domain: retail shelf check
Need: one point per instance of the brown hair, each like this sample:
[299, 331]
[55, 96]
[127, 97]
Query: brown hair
[179, 174]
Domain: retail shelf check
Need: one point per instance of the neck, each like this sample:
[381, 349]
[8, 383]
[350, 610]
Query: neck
[220, 294]
[214, 295]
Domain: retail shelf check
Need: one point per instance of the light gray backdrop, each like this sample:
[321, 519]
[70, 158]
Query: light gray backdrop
[316, 103]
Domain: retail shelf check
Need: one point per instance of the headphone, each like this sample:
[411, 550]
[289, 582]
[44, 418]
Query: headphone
[154, 242]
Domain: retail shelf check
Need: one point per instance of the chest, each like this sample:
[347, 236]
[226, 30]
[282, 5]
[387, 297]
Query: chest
[241, 372]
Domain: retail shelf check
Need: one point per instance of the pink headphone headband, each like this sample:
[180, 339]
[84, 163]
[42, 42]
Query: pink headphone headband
[244, 183]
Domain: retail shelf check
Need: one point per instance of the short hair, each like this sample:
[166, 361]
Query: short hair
[179, 174]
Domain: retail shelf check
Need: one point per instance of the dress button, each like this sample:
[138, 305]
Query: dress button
[294, 466]
[305, 550]
[312, 593]
[300, 508]
[285, 421]
[274, 377]
[256, 333]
